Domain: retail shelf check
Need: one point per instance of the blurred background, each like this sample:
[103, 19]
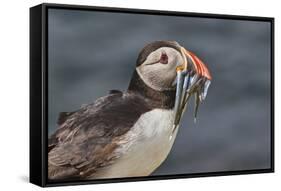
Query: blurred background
[93, 52]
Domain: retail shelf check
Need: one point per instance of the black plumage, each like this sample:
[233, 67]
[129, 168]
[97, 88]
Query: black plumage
[86, 138]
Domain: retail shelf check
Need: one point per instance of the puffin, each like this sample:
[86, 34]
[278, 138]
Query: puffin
[130, 133]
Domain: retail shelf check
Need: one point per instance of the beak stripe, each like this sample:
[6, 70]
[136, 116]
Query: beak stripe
[199, 65]
[205, 71]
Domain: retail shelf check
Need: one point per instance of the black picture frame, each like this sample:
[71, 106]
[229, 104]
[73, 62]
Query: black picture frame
[39, 93]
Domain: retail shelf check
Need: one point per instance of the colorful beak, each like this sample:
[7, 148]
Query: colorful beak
[193, 77]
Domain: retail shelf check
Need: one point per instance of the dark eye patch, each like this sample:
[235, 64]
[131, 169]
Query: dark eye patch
[164, 58]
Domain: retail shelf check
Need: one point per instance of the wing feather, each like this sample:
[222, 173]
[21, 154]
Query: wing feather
[87, 139]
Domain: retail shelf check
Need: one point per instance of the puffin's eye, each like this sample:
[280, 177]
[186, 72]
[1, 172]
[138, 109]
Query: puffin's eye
[163, 58]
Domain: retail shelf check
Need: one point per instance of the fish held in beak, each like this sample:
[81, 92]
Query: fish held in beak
[193, 78]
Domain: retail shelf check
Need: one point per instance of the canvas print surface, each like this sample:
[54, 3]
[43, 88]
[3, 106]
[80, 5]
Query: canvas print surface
[133, 95]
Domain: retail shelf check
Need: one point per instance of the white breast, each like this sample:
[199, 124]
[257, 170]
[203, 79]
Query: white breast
[145, 146]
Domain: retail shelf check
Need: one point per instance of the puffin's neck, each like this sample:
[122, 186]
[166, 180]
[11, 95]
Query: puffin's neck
[158, 99]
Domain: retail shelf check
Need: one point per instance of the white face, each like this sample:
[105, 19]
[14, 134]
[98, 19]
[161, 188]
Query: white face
[159, 69]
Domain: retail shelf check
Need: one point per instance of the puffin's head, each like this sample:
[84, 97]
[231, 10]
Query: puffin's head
[157, 63]
[166, 65]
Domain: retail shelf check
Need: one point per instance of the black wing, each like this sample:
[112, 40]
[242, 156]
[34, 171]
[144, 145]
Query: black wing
[86, 138]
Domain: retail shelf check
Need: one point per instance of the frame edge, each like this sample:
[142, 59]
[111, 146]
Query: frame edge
[36, 160]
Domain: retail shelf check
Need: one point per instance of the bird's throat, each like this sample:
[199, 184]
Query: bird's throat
[159, 99]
